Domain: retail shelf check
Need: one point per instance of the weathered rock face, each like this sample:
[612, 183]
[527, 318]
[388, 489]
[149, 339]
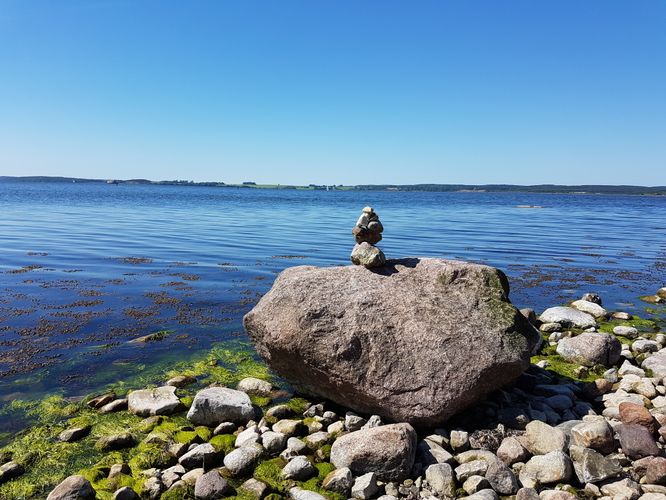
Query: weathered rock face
[395, 341]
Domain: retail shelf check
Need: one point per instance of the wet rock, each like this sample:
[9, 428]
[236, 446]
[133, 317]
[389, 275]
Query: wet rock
[210, 486]
[116, 441]
[388, 450]
[158, 401]
[590, 349]
[73, 488]
[366, 255]
[74, 434]
[10, 470]
[636, 441]
[102, 400]
[592, 467]
[219, 404]
[365, 486]
[181, 381]
[400, 374]
[243, 459]
[441, 480]
[568, 317]
[339, 481]
[203, 455]
[541, 438]
[256, 386]
[114, 406]
[299, 468]
[125, 493]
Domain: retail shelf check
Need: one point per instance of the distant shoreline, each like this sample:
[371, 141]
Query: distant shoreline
[464, 188]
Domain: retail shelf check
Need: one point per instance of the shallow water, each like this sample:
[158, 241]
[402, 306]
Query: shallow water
[86, 268]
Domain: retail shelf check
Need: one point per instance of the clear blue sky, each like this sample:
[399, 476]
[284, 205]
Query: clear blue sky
[377, 91]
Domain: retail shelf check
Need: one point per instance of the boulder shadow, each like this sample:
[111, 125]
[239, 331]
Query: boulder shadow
[391, 268]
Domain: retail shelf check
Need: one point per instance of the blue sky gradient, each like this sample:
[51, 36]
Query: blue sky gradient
[356, 92]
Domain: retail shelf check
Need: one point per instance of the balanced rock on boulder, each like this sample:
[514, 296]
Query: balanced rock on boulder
[396, 342]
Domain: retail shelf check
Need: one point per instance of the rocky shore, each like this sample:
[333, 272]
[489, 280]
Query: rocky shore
[586, 419]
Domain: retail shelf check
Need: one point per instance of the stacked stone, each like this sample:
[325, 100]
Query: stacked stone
[367, 233]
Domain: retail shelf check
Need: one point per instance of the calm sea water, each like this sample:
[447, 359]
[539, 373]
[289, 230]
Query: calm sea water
[86, 268]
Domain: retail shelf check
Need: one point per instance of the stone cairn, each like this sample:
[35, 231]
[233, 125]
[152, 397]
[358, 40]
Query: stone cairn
[367, 233]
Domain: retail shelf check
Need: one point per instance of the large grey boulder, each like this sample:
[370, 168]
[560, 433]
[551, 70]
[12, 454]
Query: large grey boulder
[590, 348]
[394, 341]
[656, 363]
[388, 450]
[568, 317]
[158, 401]
[73, 488]
[219, 404]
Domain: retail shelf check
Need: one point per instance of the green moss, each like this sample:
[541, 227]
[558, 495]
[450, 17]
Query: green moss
[642, 325]
[325, 451]
[273, 496]
[117, 482]
[185, 492]
[203, 432]
[146, 456]
[565, 369]
[261, 401]
[298, 405]
[324, 469]
[270, 472]
[187, 437]
[223, 442]
[314, 484]
[186, 401]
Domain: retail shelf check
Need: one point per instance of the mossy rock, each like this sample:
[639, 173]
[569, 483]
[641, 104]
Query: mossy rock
[270, 472]
[223, 442]
[298, 405]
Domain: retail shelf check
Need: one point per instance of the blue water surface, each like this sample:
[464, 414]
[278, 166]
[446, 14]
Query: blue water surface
[86, 268]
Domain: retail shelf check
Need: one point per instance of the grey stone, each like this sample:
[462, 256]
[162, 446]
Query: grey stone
[116, 441]
[388, 450]
[301, 494]
[512, 451]
[190, 477]
[592, 467]
[248, 436]
[541, 438]
[626, 331]
[501, 478]
[274, 442]
[125, 493]
[219, 404]
[289, 427]
[553, 467]
[656, 363]
[299, 468]
[181, 381]
[441, 480]
[473, 468]
[590, 308]
[73, 488]
[203, 455]
[210, 486]
[367, 255]
[114, 406]
[317, 440]
[431, 453]
[74, 434]
[642, 346]
[158, 401]
[636, 441]
[487, 494]
[568, 317]
[590, 349]
[152, 488]
[354, 422]
[418, 370]
[475, 483]
[254, 488]
[10, 470]
[365, 486]
[225, 428]
[625, 489]
[252, 385]
[595, 434]
[243, 459]
[339, 480]
[459, 440]
[527, 494]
